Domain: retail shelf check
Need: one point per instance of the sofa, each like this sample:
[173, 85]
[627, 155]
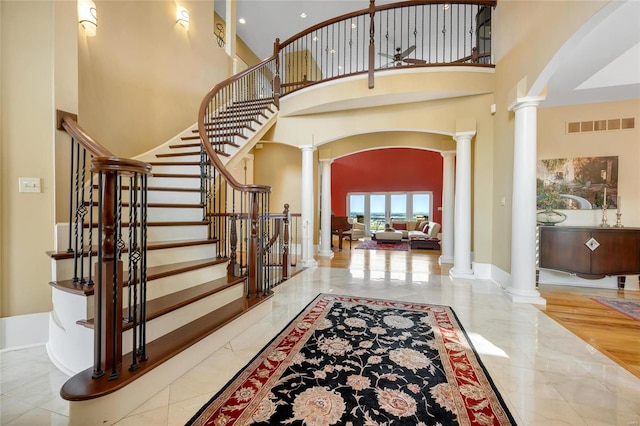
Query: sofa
[416, 228]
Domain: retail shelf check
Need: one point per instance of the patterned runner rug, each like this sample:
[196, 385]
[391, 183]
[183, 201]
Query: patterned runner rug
[630, 308]
[374, 245]
[354, 361]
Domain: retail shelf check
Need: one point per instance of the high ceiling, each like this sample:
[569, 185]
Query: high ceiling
[600, 63]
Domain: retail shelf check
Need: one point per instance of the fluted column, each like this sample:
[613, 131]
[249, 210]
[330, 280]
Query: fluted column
[307, 259]
[448, 182]
[325, 210]
[523, 205]
[462, 210]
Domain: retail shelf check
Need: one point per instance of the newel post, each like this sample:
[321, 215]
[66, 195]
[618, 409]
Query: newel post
[108, 303]
[276, 78]
[253, 254]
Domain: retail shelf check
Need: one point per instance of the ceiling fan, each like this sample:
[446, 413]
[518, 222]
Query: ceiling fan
[400, 57]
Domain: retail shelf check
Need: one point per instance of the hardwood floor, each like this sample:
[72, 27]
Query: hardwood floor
[612, 333]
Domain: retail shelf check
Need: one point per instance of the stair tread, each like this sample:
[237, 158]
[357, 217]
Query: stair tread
[157, 245]
[153, 273]
[175, 163]
[186, 154]
[176, 300]
[83, 387]
[161, 188]
[176, 175]
[161, 223]
[185, 145]
[162, 271]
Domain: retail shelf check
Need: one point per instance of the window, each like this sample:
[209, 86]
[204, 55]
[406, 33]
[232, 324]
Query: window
[377, 209]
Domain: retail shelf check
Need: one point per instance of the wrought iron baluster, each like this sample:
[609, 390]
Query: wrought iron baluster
[97, 341]
[144, 206]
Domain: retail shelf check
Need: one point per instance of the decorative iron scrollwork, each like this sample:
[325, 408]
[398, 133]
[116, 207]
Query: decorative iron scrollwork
[220, 34]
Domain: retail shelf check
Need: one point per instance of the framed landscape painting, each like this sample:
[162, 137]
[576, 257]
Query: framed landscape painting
[577, 183]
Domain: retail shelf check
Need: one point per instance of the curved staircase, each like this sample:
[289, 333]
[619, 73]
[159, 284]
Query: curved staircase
[193, 304]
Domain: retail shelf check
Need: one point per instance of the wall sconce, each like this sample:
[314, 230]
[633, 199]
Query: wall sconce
[88, 17]
[182, 17]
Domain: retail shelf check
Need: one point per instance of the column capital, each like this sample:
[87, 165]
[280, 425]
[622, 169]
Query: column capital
[446, 154]
[528, 101]
[307, 148]
[326, 160]
[464, 135]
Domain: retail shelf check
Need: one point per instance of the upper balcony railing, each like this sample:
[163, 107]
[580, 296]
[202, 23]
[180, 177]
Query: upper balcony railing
[415, 33]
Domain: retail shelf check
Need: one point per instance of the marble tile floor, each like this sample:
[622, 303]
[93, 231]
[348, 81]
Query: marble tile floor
[546, 375]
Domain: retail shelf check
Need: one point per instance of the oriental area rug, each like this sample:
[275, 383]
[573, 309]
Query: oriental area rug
[374, 245]
[630, 308]
[358, 361]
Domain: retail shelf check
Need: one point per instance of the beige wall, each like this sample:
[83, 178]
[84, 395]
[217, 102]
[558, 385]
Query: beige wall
[522, 49]
[143, 76]
[136, 84]
[280, 166]
[428, 124]
[554, 142]
[27, 131]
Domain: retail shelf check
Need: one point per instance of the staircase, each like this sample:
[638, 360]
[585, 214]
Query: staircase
[193, 302]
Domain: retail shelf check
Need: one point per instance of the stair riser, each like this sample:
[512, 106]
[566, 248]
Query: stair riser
[71, 345]
[63, 269]
[168, 285]
[163, 233]
[176, 233]
[160, 326]
[177, 169]
[172, 196]
[163, 286]
[181, 158]
[162, 182]
[165, 214]
[178, 197]
[162, 214]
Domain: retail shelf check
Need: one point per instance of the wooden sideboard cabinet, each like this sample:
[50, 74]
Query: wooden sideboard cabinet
[591, 252]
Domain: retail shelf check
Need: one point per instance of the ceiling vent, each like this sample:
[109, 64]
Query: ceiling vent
[601, 125]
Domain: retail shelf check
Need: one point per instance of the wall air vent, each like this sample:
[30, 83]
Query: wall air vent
[601, 125]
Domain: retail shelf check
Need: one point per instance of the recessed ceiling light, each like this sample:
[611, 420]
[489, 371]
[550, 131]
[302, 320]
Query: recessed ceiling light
[446, 6]
[315, 38]
[353, 25]
[242, 21]
[333, 51]
[303, 15]
[339, 67]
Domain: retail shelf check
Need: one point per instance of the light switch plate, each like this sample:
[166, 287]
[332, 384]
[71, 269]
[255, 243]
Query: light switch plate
[29, 184]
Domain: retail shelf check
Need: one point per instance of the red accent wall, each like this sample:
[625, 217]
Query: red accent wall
[386, 170]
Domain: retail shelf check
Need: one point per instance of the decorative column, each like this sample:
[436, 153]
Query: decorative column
[325, 210]
[307, 259]
[523, 204]
[462, 211]
[448, 182]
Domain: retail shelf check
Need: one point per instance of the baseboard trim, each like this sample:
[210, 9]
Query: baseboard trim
[23, 331]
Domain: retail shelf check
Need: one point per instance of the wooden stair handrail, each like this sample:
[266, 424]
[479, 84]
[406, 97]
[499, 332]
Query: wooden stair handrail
[122, 165]
[69, 122]
[204, 139]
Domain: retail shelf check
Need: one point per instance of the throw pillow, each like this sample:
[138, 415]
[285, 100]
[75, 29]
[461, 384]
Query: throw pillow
[420, 225]
[400, 226]
[425, 229]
